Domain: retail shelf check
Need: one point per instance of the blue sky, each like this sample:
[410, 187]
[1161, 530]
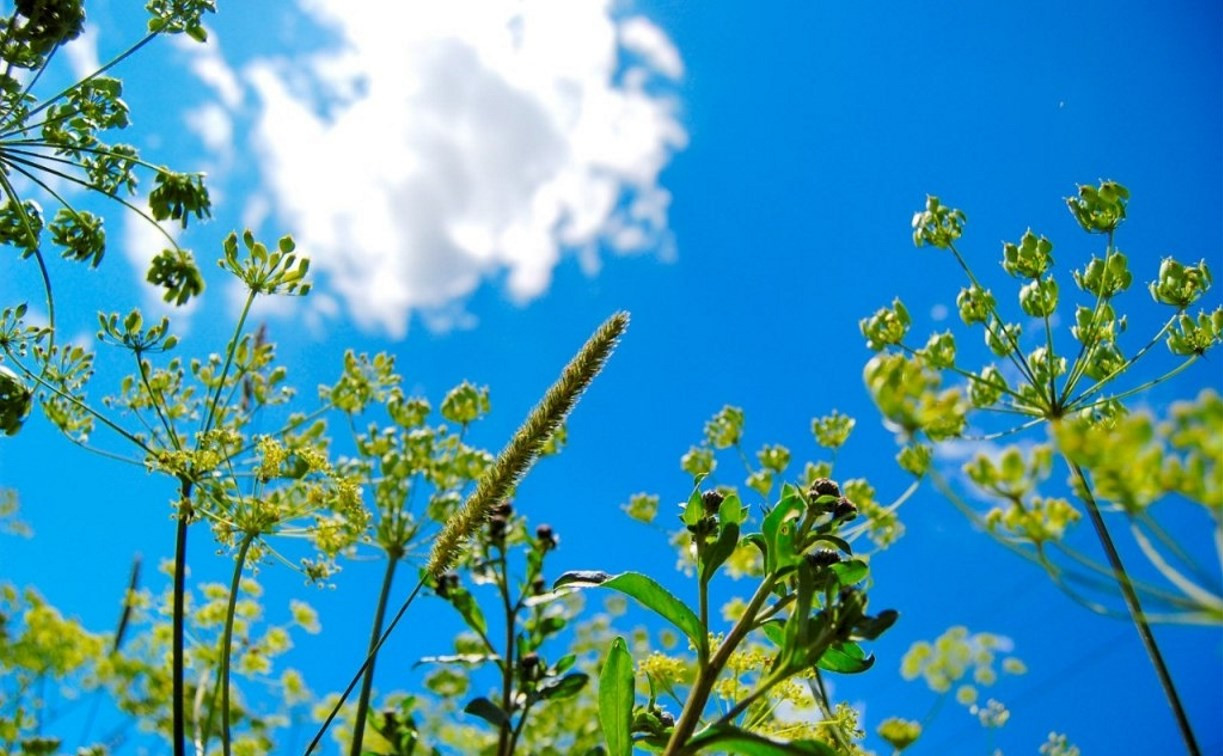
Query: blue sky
[742, 181]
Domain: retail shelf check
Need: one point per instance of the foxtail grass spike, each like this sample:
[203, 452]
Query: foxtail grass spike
[513, 462]
[523, 449]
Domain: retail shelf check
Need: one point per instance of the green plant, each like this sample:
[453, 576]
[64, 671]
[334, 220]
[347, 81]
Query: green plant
[536, 434]
[1089, 428]
[531, 616]
[808, 610]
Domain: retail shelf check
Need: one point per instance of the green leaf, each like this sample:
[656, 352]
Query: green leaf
[775, 631]
[470, 609]
[564, 663]
[848, 658]
[731, 510]
[850, 572]
[567, 686]
[730, 739]
[649, 593]
[720, 551]
[488, 711]
[694, 510]
[870, 628]
[778, 530]
[840, 543]
[616, 695]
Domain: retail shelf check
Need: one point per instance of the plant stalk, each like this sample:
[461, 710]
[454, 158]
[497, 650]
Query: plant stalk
[367, 684]
[180, 582]
[708, 674]
[228, 637]
[504, 747]
[1131, 602]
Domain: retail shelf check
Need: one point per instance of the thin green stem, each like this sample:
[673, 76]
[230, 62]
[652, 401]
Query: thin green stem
[178, 704]
[1146, 520]
[361, 671]
[1015, 355]
[85, 407]
[1139, 389]
[227, 639]
[707, 675]
[367, 683]
[103, 151]
[507, 669]
[113, 62]
[156, 400]
[1132, 603]
[13, 197]
[742, 705]
[229, 359]
[17, 163]
[1079, 366]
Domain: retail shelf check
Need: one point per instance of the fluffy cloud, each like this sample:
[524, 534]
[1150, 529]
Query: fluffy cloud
[443, 144]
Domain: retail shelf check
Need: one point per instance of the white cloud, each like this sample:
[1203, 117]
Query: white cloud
[214, 126]
[443, 144]
[641, 36]
[207, 62]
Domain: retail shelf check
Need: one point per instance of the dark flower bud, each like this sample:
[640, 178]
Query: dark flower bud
[823, 557]
[844, 509]
[546, 537]
[824, 487]
[502, 510]
[712, 500]
[667, 719]
[539, 586]
[530, 665]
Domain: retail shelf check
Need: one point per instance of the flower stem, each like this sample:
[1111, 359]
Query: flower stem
[707, 675]
[367, 684]
[228, 637]
[1131, 602]
[180, 581]
[318, 736]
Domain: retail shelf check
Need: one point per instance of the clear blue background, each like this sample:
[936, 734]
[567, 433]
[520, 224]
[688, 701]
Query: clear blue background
[816, 130]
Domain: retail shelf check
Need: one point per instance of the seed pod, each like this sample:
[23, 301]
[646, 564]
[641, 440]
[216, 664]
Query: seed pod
[844, 509]
[824, 487]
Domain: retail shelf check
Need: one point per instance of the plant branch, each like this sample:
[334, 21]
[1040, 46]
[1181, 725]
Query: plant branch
[1135, 608]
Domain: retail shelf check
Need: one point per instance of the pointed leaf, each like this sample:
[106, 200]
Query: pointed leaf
[616, 696]
[694, 510]
[648, 593]
[870, 628]
[850, 572]
[487, 710]
[847, 658]
[582, 578]
[732, 740]
[567, 686]
[720, 550]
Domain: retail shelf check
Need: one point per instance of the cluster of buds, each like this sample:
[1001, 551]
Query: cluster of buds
[498, 521]
[707, 525]
[826, 498]
[822, 558]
